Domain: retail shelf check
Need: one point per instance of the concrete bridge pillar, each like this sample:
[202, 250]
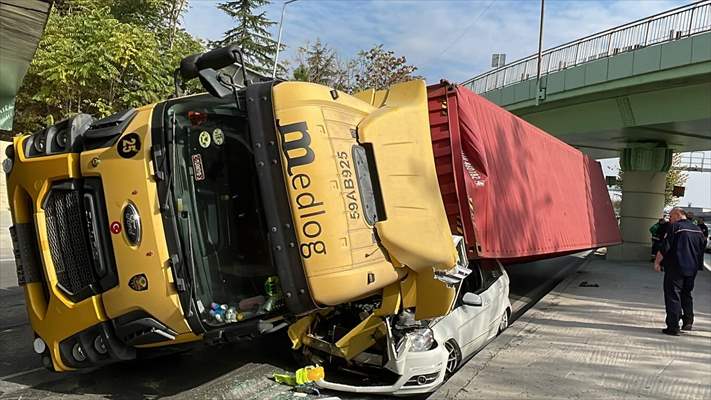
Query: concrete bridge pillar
[643, 184]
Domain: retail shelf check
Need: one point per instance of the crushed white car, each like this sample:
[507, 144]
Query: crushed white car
[420, 354]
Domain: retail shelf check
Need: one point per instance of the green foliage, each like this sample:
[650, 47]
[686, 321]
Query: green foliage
[317, 63]
[376, 68]
[101, 56]
[675, 177]
[251, 34]
[301, 73]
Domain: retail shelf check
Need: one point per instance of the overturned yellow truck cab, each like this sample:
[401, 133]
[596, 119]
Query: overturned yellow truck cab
[228, 215]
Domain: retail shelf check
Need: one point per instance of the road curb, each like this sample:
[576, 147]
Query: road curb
[457, 384]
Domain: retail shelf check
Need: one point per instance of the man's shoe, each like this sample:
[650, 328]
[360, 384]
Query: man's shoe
[671, 332]
[686, 327]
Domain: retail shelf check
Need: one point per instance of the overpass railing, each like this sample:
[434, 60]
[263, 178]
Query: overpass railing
[696, 161]
[670, 25]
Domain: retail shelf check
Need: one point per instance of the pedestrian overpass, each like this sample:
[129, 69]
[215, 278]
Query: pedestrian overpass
[640, 91]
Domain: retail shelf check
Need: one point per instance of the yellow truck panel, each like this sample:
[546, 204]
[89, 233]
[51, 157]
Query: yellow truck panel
[340, 254]
[416, 231]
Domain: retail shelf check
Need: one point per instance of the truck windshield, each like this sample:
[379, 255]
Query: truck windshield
[219, 211]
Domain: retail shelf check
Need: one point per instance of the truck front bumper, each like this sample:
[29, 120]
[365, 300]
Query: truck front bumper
[67, 261]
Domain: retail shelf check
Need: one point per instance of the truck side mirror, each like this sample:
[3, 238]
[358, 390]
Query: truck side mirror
[472, 299]
[211, 83]
[205, 67]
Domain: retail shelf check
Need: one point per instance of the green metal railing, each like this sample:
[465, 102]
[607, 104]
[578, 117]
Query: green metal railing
[696, 161]
[670, 25]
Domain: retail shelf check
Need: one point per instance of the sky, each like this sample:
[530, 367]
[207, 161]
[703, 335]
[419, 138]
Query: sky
[445, 39]
[451, 40]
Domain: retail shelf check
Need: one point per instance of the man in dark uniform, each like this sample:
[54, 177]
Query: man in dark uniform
[681, 253]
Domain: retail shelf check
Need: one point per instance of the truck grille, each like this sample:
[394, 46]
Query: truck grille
[69, 240]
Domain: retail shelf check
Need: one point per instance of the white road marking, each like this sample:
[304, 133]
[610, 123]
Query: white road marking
[6, 377]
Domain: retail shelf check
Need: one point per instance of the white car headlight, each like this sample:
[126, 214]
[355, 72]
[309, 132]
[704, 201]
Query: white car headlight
[421, 340]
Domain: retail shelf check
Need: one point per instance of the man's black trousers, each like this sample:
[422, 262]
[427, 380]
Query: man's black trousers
[677, 299]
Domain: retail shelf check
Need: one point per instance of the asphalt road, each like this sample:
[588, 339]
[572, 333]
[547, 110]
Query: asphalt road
[227, 371]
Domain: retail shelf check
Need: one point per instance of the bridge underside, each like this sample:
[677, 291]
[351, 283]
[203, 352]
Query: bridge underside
[678, 117]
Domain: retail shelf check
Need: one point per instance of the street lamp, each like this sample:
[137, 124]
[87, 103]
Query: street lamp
[281, 23]
[540, 50]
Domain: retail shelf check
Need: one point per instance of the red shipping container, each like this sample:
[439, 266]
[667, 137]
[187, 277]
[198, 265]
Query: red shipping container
[513, 191]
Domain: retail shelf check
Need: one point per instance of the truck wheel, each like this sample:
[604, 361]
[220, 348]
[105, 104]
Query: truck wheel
[504, 323]
[454, 356]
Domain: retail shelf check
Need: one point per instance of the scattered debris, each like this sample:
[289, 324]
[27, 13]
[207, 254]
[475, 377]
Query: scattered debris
[586, 284]
[246, 308]
[308, 388]
[302, 376]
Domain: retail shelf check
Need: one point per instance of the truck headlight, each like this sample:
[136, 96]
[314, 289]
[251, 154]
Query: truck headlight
[78, 352]
[62, 137]
[421, 340]
[65, 136]
[40, 142]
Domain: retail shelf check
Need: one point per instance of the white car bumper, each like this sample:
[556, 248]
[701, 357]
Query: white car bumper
[424, 372]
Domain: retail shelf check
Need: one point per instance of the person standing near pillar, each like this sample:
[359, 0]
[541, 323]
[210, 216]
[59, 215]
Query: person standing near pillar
[680, 254]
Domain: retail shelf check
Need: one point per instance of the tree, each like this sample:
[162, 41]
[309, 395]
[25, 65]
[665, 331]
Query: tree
[378, 68]
[317, 63]
[345, 77]
[675, 177]
[101, 56]
[251, 34]
[160, 16]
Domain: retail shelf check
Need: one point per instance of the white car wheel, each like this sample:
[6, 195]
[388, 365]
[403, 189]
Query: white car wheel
[454, 356]
[504, 323]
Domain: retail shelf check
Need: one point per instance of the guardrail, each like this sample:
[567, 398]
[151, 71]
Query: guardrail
[696, 161]
[670, 25]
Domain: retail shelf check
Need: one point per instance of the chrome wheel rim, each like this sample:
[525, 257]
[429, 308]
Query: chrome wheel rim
[504, 322]
[452, 357]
